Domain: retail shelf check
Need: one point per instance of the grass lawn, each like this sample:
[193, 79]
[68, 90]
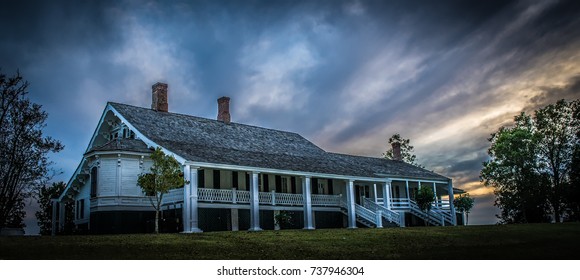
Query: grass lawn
[534, 241]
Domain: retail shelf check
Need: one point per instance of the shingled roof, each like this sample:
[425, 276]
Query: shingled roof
[211, 141]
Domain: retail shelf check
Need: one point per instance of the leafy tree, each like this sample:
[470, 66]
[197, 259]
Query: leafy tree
[283, 219]
[166, 174]
[424, 198]
[515, 173]
[24, 165]
[44, 216]
[531, 163]
[557, 129]
[463, 204]
[406, 150]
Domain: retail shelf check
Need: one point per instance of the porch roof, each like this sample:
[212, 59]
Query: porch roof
[211, 141]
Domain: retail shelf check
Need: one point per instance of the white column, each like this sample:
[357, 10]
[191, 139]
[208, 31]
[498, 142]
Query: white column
[408, 194]
[387, 194]
[307, 193]
[54, 209]
[375, 196]
[435, 195]
[254, 203]
[350, 200]
[451, 207]
[190, 206]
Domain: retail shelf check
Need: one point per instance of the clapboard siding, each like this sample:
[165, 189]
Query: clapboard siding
[107, 177]
[129, 174]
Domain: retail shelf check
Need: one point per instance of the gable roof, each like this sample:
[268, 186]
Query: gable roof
[210, 141]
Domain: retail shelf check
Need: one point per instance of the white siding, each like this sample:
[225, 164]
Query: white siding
[129, 174]
[107, 177]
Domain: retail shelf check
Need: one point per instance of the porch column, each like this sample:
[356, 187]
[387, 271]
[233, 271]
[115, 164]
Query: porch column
[254, 203]
[190, 206]
[408, 194]
[451, 207]
[387, 194]
[350, 200]
[374, 194]
[307, 193]
[61, 213]
[54, 208]
[435, 194]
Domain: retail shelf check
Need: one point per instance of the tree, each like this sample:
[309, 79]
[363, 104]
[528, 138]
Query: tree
[406, 150]
[463, 204]
[44, 216]
[425, 197]
[532, 163]
[515, 173]
[24, 165]
[165, 175]
[557, 129]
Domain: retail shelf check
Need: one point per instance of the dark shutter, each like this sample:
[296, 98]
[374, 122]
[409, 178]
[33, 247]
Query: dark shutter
[94, 181]
[216, 179]
[278, 181]
[266, 182]
[235, 179]
[201, 178]
[82, 214]
[314, 185]
[248, 181]
[293, 184]
[330, 187]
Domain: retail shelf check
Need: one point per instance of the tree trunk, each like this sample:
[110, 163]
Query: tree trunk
[156, 221]
[466, 218]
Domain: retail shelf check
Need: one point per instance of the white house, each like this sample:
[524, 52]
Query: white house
[240, 177]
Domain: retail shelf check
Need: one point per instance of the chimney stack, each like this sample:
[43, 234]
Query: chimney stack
[224, 109]
[397, 151]
[159, 95]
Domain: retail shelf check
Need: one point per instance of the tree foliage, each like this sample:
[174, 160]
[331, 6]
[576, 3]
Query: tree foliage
[424, 198]
[406, 150]
[463, 204]
[24, 165]
[166, 174]
[44, 216]
[531, 163]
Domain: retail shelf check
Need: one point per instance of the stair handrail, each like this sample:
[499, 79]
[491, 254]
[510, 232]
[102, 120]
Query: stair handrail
[388, 214]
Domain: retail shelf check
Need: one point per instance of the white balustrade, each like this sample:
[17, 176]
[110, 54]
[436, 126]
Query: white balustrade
[214, 195]
[289, 199]
[326, 200]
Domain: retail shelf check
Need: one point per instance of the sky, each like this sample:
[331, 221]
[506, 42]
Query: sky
[344, 74]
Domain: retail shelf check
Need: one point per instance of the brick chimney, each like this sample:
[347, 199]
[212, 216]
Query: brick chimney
[159, 95]
[224, 109]
[397, 151]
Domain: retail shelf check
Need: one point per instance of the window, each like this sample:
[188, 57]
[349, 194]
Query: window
[320, 188]
[285, 185]
[80, 209]
[94, 181]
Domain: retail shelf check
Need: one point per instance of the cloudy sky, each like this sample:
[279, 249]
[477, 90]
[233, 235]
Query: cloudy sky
[344, 74]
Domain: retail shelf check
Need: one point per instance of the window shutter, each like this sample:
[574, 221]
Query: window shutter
[278, 182]
[201, 178]
[247, 181]
[235, 180]
[216, 179]
[94, 181]
[266, 185]
[314, 185]
[330, 187]
[293, 184]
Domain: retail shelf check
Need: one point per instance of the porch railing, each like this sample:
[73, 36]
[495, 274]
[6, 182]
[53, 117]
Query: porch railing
[389, 215]
[243, 197]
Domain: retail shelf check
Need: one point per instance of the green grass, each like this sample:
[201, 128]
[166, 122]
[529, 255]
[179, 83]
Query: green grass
[533, 241]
